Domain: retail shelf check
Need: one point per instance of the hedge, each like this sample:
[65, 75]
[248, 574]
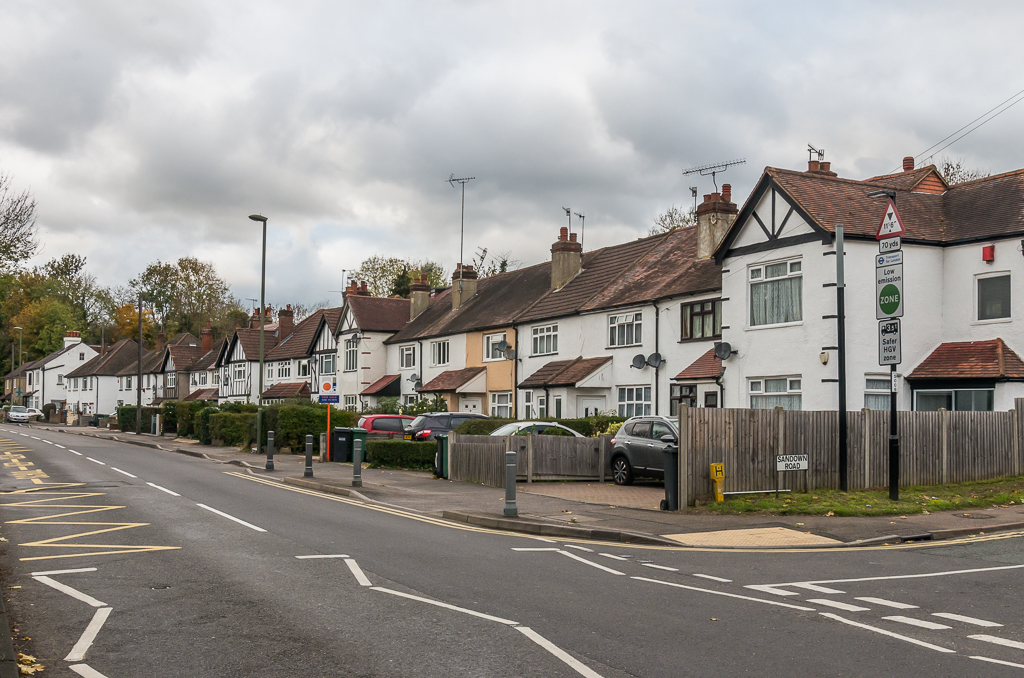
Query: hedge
[591, 427]
[186, 414]
[480, 426]
[400, 454]
[233, 428]
[202, 424]
[169, 416]
[126, 417]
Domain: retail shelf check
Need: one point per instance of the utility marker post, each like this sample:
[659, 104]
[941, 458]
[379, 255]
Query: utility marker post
[308, 473]
[357, 463]
[510, 485]
[270, 450]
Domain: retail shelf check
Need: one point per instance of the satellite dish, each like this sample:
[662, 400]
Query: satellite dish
[502, 346]
[639, 361]
[723, 350]
[655, 360]
[414, 378]
[510, 354]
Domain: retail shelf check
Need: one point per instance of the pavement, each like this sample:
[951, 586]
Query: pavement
[592, 510]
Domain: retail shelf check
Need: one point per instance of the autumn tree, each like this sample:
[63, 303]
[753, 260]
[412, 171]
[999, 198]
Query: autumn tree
[17, 225]
[954, 172]
[382, 273]
[672, 219]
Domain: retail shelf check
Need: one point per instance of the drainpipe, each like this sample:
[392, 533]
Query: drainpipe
[423, 365]
[515, 374]
[547, 403]
[657, 338]
[721, 388]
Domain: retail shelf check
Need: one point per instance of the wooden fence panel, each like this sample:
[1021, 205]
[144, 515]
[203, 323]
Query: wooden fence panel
[562, 456]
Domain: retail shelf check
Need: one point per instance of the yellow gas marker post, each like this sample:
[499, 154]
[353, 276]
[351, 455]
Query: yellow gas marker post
[718, 478]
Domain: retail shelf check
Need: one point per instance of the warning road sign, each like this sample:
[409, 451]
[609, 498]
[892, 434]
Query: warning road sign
[891, 225]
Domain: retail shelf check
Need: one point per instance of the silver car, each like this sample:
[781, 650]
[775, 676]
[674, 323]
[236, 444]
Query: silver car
[523, 428]
[19, 414]
[638, 448]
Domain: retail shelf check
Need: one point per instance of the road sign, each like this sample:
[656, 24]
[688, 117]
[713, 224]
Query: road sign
[889, 346]
[888, 259]
[889, 291]
[891, 225]
[791, 462]
[890, 244]
[328, 399]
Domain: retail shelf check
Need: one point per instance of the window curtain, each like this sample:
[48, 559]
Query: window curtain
[769, 402]
[776, 301]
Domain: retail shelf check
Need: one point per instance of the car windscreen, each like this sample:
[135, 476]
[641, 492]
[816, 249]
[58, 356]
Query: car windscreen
[506, 430]
[418, 422]
[20, 408]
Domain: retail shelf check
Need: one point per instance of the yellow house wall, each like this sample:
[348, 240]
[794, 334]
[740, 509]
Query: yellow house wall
[499, 372]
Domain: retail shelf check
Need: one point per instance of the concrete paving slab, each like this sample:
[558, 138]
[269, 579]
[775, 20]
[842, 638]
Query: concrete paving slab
[762, 536]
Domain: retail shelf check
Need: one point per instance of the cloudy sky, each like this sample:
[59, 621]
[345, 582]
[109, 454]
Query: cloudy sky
[150, 130]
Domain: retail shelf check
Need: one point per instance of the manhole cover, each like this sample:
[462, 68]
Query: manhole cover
[975, 516]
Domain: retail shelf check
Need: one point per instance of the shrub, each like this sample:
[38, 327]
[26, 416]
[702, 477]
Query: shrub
[48, 409]
[555, 431]
[202, 424]
[126, 417]
[480, 427]
[187, 417]
[238, 408]
[612, 428]
[293, 421]
[588, 426]
[400, 454]
[169, 413]
[233, 428]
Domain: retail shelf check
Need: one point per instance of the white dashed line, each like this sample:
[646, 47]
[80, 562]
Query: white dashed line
[966, 620]
[999, 661]
[336, 555]
[164, 489]
[61, 446]
[77, 653]
[660, 567]
[887, 633]
[838, 605]
[48, 442]
[608, 555]
[546, 548]
[888, 603]
[817, 589]
[721, 579]
[230, 517]
[579, 548]
[998, 641]
[917, 622]
[96, 461]
[723, 593]
[73, 452]
[584, 560]
[114, 468]
[357, 572]
[33, 437]
[772, 589]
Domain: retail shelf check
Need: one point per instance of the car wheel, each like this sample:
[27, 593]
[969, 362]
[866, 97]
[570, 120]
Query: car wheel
[622, 472]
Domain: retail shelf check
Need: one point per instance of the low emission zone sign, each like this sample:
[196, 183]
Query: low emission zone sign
[889, 291]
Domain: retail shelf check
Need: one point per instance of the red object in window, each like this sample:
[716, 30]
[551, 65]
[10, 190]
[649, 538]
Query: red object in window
[988, 253]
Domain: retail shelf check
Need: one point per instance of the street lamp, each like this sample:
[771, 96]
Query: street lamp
[263, 288]
[19, 347]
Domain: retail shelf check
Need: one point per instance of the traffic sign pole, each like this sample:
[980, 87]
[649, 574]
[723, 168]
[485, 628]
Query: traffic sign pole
[841, 312]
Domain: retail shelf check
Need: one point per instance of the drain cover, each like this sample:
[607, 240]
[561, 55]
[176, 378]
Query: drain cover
[975, 516]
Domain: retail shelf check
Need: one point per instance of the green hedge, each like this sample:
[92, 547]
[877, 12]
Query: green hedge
[202, 424]
[186, 414]
[169, 416]
[480, 427]
[588, 426]
[233, 428]
[126, 417]
[400, 454]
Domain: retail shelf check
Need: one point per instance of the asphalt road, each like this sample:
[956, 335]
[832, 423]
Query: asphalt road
[177, 566]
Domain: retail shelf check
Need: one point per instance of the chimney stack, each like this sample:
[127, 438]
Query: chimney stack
[161, 341]
[352, 289]
[566, 259]
[206, 337]
[463, 285]
[285, 321]
[419, 295]
[73, 337]
[908, 163]
[254, 320]
[820, 167]
[715, 217]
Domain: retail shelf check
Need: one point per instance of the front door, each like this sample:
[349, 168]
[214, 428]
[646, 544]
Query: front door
[588, 407]
[470, 405]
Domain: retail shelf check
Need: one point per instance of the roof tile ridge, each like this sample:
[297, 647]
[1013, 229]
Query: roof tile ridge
[989, 178]
[902, 173]
[824, 177]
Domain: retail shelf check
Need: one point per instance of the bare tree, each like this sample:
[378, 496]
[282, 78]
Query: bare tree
[954, 172]
[17, 225]
[672, 219]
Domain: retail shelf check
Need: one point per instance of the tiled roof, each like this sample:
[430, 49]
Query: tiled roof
[19, 372]
[379, 385]
[201, 394]
[564, 372]
[991, 359]
[249, 338]
[184, 355]
[53, 356]
[117, 357]
[152, 363]
[299, 343]
[451, 380]
[378, 314]
[288, 390]
[705, 367]
[209, 361]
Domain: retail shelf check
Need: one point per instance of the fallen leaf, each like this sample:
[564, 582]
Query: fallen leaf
[798, 524]
[18, 587]
[830, 513]
[26, 658]
[712, 619]
[903, 517]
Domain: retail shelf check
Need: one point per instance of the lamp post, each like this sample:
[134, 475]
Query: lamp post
[20, 359]
[263, 288]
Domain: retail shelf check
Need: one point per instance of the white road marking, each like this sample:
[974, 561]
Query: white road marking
[357, 572]
[584, 560]
[999, 661]
[77, 653]
[998, 641]
[83, 569]
[608, 555]
[552, 548]
[86, 671]
[64, 588]
[550, 541]
[335, 555]
[114, 468]
[73, 452]
[895, 576]
[438, 603]
[164, 489]
[888, 603]
[887, 633]
[25, 435]
[966, 620]
[818, 589]
[225, 515]
[97, 461]
[721, 579]
[33, 437]
[578, 666]
[838, 605]
[579, 548]
[771, 588]
[660, 567]
[48, 442]
[917, 622]
[61, 446]
[723, 593]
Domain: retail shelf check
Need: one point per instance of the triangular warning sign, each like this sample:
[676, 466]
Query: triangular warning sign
[891, 225]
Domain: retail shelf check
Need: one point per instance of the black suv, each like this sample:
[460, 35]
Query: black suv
[638, 448]
[427, 426]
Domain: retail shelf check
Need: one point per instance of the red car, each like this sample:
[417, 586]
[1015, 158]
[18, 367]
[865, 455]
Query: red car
[384, 425]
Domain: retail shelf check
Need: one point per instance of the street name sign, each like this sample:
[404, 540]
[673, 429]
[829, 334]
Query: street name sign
[891, 225]
[791, 462]
[889, 346]
[890, 244]
[888, 291]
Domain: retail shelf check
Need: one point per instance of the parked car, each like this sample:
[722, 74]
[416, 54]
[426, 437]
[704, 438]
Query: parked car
[638, 448]
[18, 414]
[384, 425]
[33, 412]
[427, 426]
[525, 428]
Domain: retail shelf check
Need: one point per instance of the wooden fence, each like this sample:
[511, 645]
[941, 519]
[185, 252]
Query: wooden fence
[481, 459]
[935, 447]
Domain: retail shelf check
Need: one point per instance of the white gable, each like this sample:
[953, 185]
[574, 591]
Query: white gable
[325, 339]
[237, 353]
[766, 224]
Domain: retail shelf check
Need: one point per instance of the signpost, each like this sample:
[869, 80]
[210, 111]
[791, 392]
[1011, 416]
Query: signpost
[791, 462]
[328, 396]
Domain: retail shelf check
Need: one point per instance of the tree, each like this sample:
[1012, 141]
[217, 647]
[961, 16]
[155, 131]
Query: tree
[126, 324]
[672, 219]
[17, 226]
[157, 286]
[954, 172]
[303, 311]
[382, 273]
[70, 282]
[502, 262]
[45, 323]
[402, 286]
[198, 293]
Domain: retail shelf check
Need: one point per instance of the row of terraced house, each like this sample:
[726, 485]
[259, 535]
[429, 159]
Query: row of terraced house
[632, 328]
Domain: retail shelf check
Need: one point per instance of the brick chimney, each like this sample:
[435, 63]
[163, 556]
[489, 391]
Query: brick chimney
[363, 291]
[206, 337]
[908, 163]
[463, 285]
[161, 341]
[715, 217]
[73, 337]
[254, 320]
[819, 167]
[419, 295]
[566, 259]
[286, 321]
[352, 289]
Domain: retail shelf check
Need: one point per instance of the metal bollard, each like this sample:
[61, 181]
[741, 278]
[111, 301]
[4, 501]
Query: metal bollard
[308, 473]
[270, 450]
[510, 485]
[357, 463]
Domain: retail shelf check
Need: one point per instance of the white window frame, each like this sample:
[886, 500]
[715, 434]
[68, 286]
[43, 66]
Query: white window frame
[545, 339]
[350, 403]
[631, 398]
[410, 399]
[624, 326]
[756, 276]
[328, 363]
[284, 369]
[172, 379]
[440, 353]
[407, 357]
[976, 319]
[128, 383]
[351, 355]
[490, 341]
[528, 404]
[202, 378]
[215, 377]
[501, 404]
[303, 368]
[239, 372]
[757, 388]
[952, 392]
[877, 389]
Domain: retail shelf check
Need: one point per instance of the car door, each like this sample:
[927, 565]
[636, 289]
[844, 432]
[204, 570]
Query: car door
[640, 446]
[657, 448]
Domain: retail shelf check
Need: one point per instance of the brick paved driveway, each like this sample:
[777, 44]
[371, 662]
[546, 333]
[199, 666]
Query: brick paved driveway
[646, 496]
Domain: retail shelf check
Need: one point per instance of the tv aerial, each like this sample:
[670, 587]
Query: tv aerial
[812, 151]
[711, 170]
[582, 217]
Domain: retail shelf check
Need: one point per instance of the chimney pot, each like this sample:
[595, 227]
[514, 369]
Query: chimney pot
[813, 165]
[707, 197]
[727, 192]
[908, 163]
[563, 233]
[572, 237]
[825, 166]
